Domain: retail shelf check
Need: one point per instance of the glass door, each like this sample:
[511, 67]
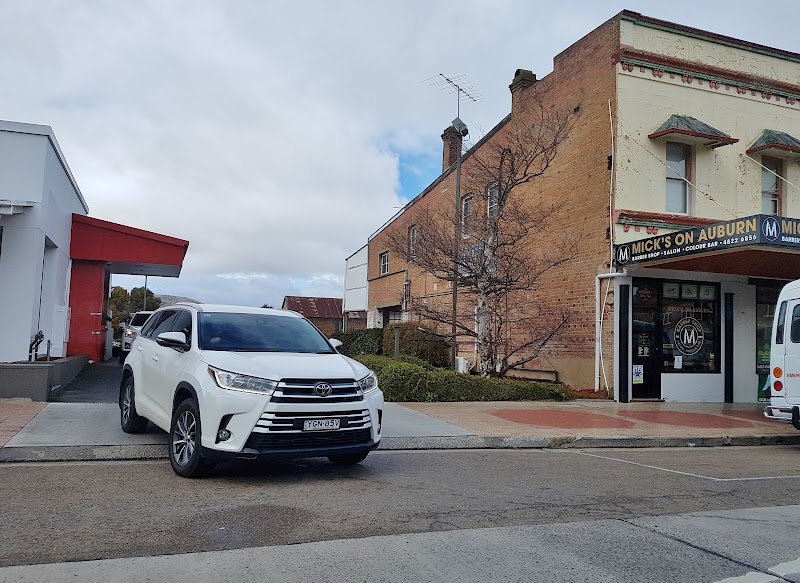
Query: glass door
[646, 348]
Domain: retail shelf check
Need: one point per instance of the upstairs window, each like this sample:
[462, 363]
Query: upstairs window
[412, 242]
[384, 262]
[678, 172]
[771, 186]
[492, 203]
[466, 216]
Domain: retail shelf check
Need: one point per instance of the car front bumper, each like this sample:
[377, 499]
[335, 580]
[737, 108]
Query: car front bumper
[243, 415]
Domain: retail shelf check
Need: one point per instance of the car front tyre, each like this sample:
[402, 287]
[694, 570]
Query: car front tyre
[130, 421]
[347, 460]
[185, 453]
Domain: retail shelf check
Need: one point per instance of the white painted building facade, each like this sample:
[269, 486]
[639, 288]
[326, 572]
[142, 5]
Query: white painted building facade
[38, 196]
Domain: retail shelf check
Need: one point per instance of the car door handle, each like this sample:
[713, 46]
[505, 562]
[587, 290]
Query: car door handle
[140, 348]
[155, 358]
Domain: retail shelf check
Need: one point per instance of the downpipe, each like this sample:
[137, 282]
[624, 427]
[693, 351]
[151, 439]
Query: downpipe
[598, 324]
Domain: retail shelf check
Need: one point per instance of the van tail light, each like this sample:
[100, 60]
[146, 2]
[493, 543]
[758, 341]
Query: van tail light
[777, 372]
[778, 386]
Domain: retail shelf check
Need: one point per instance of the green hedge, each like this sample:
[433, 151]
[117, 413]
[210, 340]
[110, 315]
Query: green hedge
[405, 382]
[416, 340]
[360, 342]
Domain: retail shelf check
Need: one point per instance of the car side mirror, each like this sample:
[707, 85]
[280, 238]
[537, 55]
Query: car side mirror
[173, 340]
[335, 343]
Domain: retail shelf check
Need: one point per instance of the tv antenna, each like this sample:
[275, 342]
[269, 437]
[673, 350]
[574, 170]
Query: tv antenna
[458, 85]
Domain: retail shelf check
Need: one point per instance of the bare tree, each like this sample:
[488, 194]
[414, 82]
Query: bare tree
[497, 260]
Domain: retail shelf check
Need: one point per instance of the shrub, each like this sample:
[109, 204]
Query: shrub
[418, 341]
[358, 342]
[406, 382]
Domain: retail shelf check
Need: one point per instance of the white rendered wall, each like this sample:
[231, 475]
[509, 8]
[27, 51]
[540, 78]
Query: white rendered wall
[34, 283]
[355, 281]
[645, 101]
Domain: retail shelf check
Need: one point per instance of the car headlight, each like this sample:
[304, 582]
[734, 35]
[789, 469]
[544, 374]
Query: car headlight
[369, 383]
[131, 334]
[241, 382]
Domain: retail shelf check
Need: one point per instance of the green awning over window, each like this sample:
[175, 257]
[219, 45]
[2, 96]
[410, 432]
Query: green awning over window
[683, 128]
[775, 143]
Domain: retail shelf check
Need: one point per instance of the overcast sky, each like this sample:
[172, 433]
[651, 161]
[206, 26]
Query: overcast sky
[277, 136]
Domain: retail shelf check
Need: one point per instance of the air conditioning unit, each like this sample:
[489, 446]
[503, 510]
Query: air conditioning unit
[462, 364]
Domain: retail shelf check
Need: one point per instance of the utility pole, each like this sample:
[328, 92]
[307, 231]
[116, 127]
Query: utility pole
[458, 85]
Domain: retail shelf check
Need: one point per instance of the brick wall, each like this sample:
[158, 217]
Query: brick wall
[578, 182]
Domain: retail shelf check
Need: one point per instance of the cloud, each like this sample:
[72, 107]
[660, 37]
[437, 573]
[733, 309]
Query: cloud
[271, 135]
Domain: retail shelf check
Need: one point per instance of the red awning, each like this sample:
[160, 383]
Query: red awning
[125, 249]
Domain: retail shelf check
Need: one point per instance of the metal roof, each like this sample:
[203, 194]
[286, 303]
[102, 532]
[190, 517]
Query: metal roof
[690, 127]
[314, 307]
[775, 140]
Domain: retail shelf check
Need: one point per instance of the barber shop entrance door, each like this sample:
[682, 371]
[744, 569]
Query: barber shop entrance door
[646, 346]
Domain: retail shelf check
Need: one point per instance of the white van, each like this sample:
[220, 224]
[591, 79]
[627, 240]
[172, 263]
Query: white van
[784, 362]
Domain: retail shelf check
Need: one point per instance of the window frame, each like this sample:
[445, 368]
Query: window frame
[778, 194]
[688, 150]
[467, 216]
[412, 242]
[492, 194]
[383, 263]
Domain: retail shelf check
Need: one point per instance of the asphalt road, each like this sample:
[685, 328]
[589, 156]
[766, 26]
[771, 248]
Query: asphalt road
[599, 515]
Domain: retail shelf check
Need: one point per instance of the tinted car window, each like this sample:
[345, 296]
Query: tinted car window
[794, 331]
[154, 319]
[139, 319]
[164, 323]
[259, 333]
[183, 323]
[781, 324]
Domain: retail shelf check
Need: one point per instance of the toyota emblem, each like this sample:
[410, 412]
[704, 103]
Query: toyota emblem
[323, 389]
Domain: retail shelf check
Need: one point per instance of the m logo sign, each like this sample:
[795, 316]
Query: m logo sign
[689, 336]
[771, 229]
[623, 254]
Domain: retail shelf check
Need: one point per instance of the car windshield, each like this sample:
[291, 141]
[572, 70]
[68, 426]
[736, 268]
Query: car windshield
[259, 333]
[139, 319]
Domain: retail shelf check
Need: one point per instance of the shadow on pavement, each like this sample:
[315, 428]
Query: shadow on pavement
[98, 382]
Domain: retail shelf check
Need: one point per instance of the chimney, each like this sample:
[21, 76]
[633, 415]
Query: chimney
[522, 80]
[450, 143]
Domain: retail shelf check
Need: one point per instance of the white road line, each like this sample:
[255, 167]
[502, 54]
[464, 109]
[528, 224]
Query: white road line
[713, 479]
[780, 570]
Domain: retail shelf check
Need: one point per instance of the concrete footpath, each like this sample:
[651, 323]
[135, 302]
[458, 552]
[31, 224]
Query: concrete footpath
[90, 431]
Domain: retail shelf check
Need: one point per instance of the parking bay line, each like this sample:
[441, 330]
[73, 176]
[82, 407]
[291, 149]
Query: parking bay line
[676, 471]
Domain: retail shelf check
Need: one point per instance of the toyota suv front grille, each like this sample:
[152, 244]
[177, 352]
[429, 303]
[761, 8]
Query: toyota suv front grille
[307, 391]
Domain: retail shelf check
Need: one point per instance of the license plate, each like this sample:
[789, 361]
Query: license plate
[320, 424]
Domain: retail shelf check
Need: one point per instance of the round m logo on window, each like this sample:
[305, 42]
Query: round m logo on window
[689, 336]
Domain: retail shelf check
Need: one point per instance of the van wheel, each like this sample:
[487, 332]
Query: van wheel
[185, 453]
[129, 420]
[347, 460]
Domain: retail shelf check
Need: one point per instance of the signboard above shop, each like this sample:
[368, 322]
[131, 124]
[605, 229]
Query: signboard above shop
[753, 231]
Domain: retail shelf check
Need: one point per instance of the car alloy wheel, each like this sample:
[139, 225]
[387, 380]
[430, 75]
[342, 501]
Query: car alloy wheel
[185, 451]
[126, 404]
[130, 420]
[184, 439]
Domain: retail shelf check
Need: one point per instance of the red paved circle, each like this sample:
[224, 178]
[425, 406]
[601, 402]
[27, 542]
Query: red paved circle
[563, 419]
[757, 416]
[687, 419]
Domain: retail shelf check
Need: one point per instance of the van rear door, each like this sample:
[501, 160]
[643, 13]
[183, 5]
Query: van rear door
[791, 360]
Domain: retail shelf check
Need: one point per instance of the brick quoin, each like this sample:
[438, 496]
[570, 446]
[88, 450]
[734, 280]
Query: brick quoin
[578, 182]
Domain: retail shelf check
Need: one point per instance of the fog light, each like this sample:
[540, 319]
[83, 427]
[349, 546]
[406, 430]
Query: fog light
[223, 435]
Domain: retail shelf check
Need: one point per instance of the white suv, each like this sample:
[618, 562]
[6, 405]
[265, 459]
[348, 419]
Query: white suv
[236, 382]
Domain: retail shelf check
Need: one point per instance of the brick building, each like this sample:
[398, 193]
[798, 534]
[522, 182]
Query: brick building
[324, 313]
[682, 152]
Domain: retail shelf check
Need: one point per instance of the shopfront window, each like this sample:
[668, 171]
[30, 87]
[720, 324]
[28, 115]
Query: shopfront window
[766, 299]
[690, 327]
